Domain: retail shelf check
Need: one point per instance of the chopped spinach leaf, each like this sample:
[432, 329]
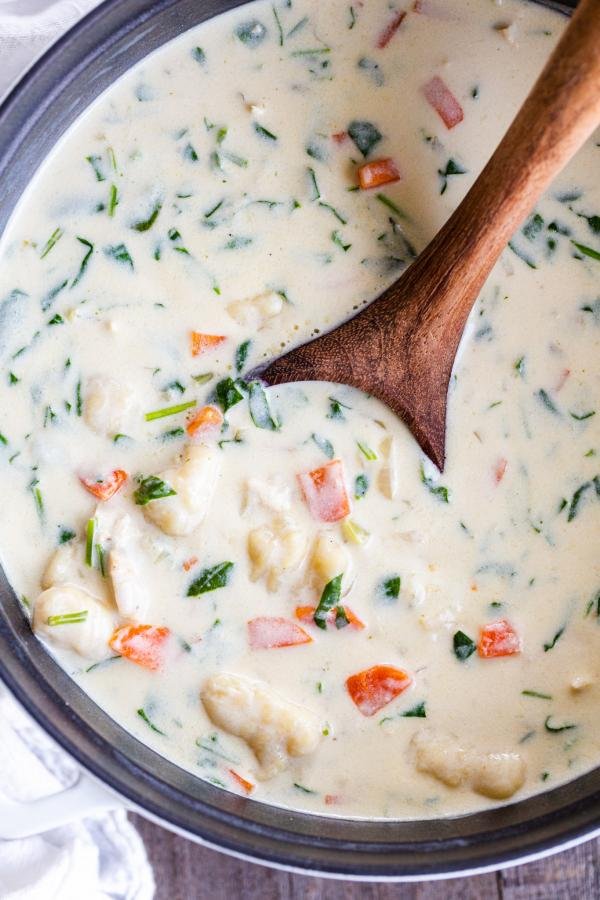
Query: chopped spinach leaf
[228, 393]
[556, 637]
[119, 253]
[241, 355]
[146, 224]
[554, 729]
[260, 411]
[324, 445]
[152, 488]
[251, 33]
[416, 712]
[438, 490]
[464, 647]
[330, 598]
[365, 135]
[452, 168]
[211, 579]
[361, 486]
[84, 262]
[389, 588]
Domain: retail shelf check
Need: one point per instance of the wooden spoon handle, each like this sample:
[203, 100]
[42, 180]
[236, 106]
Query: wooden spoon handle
[560, 113]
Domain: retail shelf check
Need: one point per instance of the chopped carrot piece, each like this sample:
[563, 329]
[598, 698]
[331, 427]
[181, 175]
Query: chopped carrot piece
[377, 172]
[499, 470]
[142, 644]
[390, 30]
[247, 786]
[325, 491]
[353, 619]
[374, 688]
[201, 342]
[267, 632]
[441, 98]
[498, 639]
[205, 419]
[107, 487]
[190, 563]
[306, 613]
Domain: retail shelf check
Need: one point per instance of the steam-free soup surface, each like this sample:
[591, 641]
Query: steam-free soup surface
[274, 588]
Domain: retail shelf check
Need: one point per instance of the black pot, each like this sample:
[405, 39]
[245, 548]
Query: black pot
[51, 95]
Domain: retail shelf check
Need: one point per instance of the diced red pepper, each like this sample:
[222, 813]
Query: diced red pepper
[246, 786]
[201, 342]
[441, 98]
[267, 632]
[390, 30]
[378, 172]
[306, 614]
[499, 470]
[144, 645]
[498, 639]
[204, 420]
[107, 487]
[331, 799]
[340, 137]
[325, 491]
[374, 688]
[190, 563]
[564, 375]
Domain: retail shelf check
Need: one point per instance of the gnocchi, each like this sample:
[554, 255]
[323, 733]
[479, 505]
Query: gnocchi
[275, 729]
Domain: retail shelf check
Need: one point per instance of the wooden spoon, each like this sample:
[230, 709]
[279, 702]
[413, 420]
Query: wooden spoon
[401, 347]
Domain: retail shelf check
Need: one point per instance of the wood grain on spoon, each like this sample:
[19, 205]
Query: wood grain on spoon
[401, 347]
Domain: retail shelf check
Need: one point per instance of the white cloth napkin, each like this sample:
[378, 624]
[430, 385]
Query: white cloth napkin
[100, 858]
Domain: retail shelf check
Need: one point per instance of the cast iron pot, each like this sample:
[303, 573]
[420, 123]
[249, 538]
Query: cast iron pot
[33, 117]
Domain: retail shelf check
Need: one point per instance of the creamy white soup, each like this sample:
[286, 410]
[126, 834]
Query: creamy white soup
[274, 588]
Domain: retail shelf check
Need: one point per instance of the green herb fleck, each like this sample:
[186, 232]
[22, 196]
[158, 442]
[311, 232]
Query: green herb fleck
[169, 410]
[144, 716]
[74, 618]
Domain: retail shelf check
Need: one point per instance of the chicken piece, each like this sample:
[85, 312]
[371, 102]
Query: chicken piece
[67, 565]
[275, 729]
[328, 558]
[125, 567]
[91, 625]
[255, 312]
[194, 481]
[271, 495]
[274, 550]
[110, 406]
[495, 775]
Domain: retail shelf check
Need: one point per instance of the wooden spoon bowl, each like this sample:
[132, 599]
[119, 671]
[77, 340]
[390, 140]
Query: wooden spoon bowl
[401, 348]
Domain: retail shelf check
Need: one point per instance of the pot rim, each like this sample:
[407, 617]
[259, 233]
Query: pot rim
[248, 829]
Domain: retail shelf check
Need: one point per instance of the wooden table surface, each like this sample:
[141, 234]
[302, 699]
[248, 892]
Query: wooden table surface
[185, 871]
